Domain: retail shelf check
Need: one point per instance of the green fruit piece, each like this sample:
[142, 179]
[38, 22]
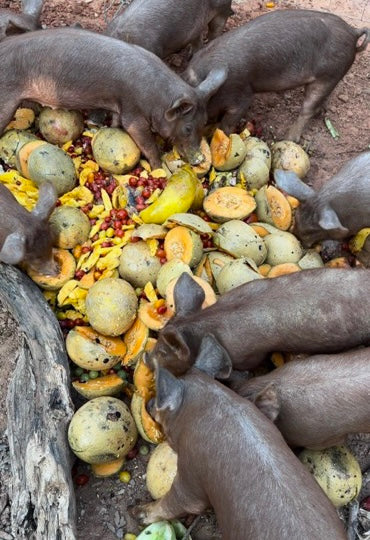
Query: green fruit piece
[114, 150]
[11, 142]
[240, 240]
[111, 306]
[161, 530]
[177, 197]
[59, 125]
[137, 265]
[102, 430]
[282, 247]
[169, 271]
[48, 162]
[236, 273]
[70, 226]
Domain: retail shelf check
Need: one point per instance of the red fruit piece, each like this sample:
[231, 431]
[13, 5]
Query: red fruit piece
[81, 479]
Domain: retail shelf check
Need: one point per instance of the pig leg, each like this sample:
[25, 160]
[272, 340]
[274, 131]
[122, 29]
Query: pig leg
[140, 131]
[216, 25]
[235, 115]
[8, 106]
[315, 95]
[176, 503]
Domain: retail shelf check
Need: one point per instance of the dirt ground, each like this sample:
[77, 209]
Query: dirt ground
[102, 503]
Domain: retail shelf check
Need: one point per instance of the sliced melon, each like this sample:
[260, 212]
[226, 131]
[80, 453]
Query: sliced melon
[149, 315]
[226, 203]
[67, 267]
[273, 207]
[91, 350]
[108, 385]
[135, 339]
[182, 243]
[103, 470]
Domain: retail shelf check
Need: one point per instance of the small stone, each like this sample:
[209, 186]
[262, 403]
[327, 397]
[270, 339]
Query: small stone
[343, 97]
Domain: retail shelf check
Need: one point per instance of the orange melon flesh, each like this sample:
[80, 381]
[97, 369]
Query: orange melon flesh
[276, 206]
[107, 469]
[135, 340]
[149, 315]
[67, 267]
[113, 345]
[260, 230]
[210, 295]
[144, 381]
[182, 243]
[220, 148]
[24, 155]
[282, 269]
[226, 203]
[108, 385]
[264, 269]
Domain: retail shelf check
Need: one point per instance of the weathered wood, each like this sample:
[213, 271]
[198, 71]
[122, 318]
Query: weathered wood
[39, 410]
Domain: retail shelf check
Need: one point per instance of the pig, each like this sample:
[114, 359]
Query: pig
[278, 51]
[26, 236]
[231, 457]
[16, 23]
[166, 26]
[336, 211]
[318, 401]
[321, 310]
[99, 72]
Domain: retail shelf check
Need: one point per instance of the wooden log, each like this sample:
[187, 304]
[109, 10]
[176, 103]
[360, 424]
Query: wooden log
[39, 410]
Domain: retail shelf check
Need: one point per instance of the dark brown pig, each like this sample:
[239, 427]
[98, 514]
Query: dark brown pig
[318, 401]
[230, 457]
[166, 26]
[26, 236]
[99, 72]
[338, 210]
[277, 51]
[315, 311]
[16, 23]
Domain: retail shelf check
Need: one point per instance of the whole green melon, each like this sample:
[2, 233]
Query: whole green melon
[48, 162]
[70, 226]
[114, 150]
[137, 265]
[59, 125]
[11, 142]
[111, 306]
[102, 430]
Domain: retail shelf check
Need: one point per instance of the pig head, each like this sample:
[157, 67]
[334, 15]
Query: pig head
[26, 236]
[315, 402]
[290, 313]
[339, 209]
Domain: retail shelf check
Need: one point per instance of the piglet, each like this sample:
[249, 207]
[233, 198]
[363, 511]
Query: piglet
[314, 311]
[230, 457]
[16, 23]
[278, 51]
[26, 236]
[338, 210]
[318, 401]
[166, 26]
[99, 72]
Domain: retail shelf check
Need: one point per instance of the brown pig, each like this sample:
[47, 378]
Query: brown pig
[318, 401]
[278, 51]
[314, 311]
[99, 72]
[166, 26]
[338, 210]
[232, 458]
[16, 23]
[26, 236]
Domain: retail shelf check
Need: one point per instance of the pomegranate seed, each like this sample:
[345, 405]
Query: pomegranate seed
[163, 260]
[117, 224]
[161, 310]
[110, 189]
[146, 193]
[161, 253]
[119, 233]
[71, 148]
[130, 221]
[122, 214]
[86, 249]
[132, 181]
[113, 212]
[104, 226]
[132, 453]
[95, 237]
[106, 244]
[139, 200]
[141, 182]
[107, 219]
[140, 207]
[58, 203]
[134, 239]
[81, 479]
[79, 322]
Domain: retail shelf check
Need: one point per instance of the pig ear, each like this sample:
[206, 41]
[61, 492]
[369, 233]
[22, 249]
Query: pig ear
[214, 80]
[46, 202]
[268, 402]
[174, 340]
[188, 295]
[292, 184]
[169, 391]
[213, 358]
[179, 108]
[14, 248]
[329, 221]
